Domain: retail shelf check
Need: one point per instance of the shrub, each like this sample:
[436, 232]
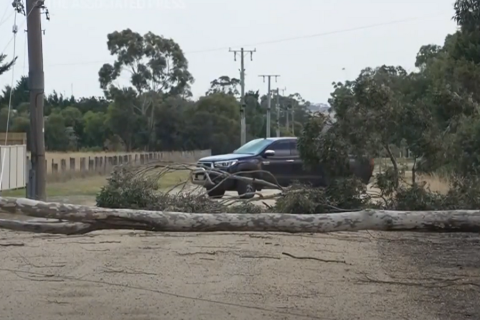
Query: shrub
[340, 195]
[125, 189]
[128, 189]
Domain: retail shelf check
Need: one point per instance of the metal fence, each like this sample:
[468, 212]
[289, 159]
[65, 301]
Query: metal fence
[13, 167]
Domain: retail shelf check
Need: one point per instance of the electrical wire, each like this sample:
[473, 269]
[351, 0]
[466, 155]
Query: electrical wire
[24, 52]
[4, 14]
[14, 30]
[3, 19]
[316, 35]
[26, 17]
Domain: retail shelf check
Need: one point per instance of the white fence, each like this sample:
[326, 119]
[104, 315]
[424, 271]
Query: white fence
[13, 167]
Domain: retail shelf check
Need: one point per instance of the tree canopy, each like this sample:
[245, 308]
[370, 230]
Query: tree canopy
[5, 65]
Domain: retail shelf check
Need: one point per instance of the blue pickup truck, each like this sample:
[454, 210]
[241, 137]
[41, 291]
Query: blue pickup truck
[277, 156]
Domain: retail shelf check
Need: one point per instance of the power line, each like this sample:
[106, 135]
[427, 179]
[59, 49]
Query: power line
[19, 8]
[3, 15]
[25, 51]
[316, 35]
[3, 19]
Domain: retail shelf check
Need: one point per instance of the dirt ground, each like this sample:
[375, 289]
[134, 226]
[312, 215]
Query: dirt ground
[140, 275]
[123, 275]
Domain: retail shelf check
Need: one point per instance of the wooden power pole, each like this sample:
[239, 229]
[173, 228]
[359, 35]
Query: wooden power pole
[287, 125]
[278, 108]
[243, 123]
[269, 99]
[37, 174]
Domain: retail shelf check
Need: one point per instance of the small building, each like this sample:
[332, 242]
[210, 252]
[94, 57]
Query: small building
[13, 138]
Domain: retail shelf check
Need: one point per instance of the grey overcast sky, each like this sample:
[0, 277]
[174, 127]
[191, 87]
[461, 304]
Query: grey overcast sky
[75, 38]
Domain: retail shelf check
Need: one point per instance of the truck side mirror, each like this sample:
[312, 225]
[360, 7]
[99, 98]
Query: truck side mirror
[269, 153]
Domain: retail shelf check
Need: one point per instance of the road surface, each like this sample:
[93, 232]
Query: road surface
[123, 275]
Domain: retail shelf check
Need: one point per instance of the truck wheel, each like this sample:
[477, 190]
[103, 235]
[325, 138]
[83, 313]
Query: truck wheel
[217, 193]
[246, 190]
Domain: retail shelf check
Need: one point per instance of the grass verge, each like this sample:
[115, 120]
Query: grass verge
[90, 186]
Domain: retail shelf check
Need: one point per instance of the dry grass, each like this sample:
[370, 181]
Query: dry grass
[82, 187]
[433, 182]
[381, 164]
[90, 186]
[65, 183]
[436, 183]
[62, 177]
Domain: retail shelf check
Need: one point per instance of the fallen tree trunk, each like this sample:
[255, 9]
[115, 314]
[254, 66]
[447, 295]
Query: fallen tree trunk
[88, 219]
[47, 227]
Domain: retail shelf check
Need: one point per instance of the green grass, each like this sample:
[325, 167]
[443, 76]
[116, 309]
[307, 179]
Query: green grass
[90, 186]
[173, 178]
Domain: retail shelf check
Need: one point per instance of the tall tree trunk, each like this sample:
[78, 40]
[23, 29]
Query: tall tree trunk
[394, 164]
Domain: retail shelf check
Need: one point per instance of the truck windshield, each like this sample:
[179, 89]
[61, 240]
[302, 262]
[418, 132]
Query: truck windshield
[254, 147]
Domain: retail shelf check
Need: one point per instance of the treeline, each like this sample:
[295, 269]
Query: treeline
[171, 123]
[155, 112]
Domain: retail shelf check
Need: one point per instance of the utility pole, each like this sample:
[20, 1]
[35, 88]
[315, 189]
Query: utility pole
[243, 122]
[277, 106]
[293, 118]
[269, 98]
[287, 124]
[37, 174]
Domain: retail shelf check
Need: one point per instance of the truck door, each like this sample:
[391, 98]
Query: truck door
[298, 173]
[279, 165]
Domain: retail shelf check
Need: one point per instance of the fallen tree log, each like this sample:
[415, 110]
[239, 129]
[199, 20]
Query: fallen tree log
[86, 219]
[66, 228]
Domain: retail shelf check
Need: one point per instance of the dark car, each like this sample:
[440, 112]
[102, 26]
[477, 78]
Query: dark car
[278, 156]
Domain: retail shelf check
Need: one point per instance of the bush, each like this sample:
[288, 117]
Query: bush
[417, 198]
[125, 189]
[463, 194]
[341, 195]
[128, 189]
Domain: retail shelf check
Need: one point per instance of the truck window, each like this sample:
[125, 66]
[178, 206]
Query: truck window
[293, 148]
[253, 147]
[281, 148]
